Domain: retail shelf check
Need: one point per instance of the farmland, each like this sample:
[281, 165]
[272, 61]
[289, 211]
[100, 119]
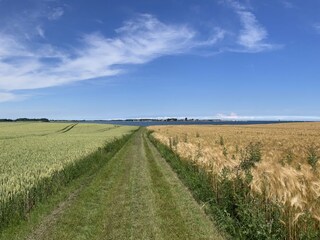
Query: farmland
[267, 172]
[67, 181]
[71, 181]
[32, 154]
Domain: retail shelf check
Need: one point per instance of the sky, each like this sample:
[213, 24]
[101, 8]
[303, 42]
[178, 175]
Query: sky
[108, 59]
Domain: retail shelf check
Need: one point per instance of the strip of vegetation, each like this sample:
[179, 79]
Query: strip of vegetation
[25, 120]
[19, 206]
[229, 200]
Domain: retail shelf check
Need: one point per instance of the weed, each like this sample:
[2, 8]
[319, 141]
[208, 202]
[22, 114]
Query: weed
[312, 156]
[251, 156]
[221, 141]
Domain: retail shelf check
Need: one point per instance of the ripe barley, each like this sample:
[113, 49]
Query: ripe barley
[285, 175]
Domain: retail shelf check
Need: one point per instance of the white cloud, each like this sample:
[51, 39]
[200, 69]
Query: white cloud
[56, 13]
[27, 64]
[316, 26]
[287, 4]
[236, 117]
[252, 36]
[138, 41]
[40, 31]
[227, 116]
[29, 23]
[6, 97]
[10, 47]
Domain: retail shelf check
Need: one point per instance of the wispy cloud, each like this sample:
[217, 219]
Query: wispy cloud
[287, 4]
[236, 117]
[55, 13]
[25, 66]
[29, 23]
[40, 31]
[26, 63]
[9, 47]
[227, 116]
[316, 27]
[252, 37]
[8, 97]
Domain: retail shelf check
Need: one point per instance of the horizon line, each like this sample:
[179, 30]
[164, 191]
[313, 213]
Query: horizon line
[216, 117]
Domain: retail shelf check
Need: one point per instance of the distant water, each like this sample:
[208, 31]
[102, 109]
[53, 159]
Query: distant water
[154, 123]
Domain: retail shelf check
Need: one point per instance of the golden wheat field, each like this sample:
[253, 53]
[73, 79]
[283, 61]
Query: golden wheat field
[288, 173]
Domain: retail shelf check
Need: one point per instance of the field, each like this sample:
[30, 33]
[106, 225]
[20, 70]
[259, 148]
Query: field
[63, 181]
[33, 154]
[278, 162]
[72, 181]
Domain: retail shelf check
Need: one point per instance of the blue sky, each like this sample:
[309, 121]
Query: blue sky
[100, 59]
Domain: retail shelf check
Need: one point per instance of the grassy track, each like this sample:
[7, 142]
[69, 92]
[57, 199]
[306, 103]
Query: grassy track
[135, 195]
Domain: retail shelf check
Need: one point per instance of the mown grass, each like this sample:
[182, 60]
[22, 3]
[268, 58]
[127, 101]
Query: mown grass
[175, 200]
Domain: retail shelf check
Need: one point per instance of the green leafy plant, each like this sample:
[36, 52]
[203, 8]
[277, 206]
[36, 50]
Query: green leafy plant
[313, 156]
[250, 156]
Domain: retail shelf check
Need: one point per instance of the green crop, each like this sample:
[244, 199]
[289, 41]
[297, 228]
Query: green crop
[32, 155]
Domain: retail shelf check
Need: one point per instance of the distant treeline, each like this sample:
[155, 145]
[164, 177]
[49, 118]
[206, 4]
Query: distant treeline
[25, 120]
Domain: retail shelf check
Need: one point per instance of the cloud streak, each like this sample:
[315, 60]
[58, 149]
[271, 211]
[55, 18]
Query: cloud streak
[316, 27]
[138, 41]
[236, 117]
[6, 97]
[252, 37]
[40, 31]
[27, 64]
[287, 4]
[55, 13]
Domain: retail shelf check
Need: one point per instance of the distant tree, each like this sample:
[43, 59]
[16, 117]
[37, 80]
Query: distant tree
[32, 120]
[6, 120]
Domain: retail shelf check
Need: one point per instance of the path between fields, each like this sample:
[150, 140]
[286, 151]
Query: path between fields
[135, 195]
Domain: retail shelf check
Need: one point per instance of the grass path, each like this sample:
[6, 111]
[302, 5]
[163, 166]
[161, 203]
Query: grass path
[135, 195]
